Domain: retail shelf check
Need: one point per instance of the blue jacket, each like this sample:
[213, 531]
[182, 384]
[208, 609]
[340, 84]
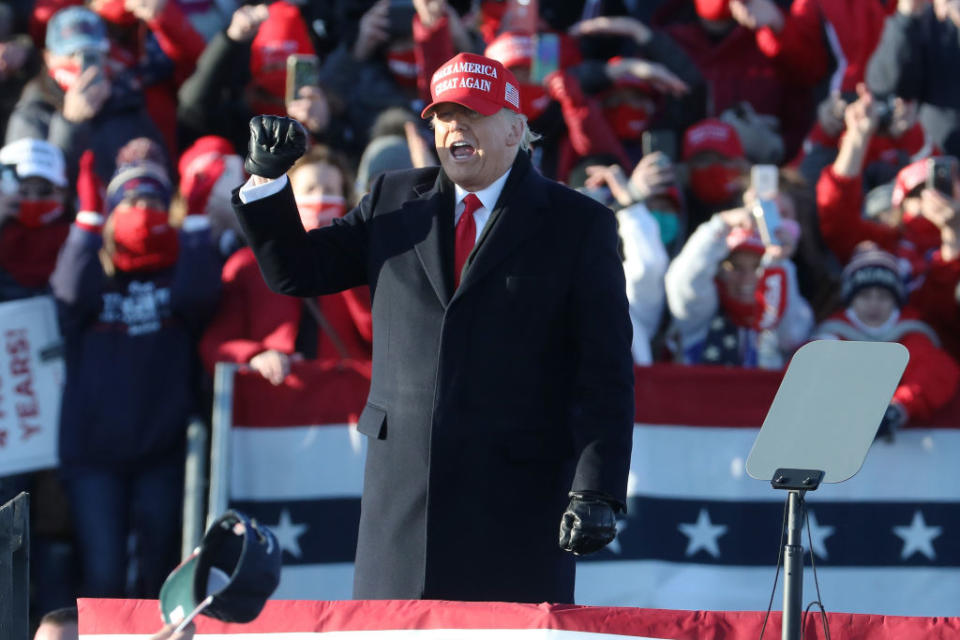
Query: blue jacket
[130, 350]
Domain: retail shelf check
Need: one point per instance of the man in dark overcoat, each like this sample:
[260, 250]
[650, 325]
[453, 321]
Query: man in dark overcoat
[501, 403]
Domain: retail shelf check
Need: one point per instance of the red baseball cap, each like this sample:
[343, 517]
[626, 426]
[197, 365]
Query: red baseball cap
[909, 178]
[712, 135]
[740, 239]
[476, 82]
[512, 49]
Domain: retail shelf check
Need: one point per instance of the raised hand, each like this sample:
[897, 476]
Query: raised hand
[275, 144]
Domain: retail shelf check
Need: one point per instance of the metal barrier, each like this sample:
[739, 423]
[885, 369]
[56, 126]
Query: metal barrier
[195, 486]
[15, 568]
[220, 439]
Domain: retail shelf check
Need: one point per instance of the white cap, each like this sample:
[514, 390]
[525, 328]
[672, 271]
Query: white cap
[35, 158]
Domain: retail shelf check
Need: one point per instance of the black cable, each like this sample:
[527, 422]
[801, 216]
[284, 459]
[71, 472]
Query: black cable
[776, 576]
[816, 582]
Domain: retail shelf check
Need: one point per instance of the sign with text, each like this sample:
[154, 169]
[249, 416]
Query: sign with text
[31, 383]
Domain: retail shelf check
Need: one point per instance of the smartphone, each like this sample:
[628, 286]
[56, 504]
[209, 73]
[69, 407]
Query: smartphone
[90, 58]
[765, 180]
[400, 19]
[546, 56]
[942, 174]
[662, 140]
[303, 70]
[766, 214]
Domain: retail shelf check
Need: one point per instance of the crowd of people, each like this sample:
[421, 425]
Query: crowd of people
[125, 123]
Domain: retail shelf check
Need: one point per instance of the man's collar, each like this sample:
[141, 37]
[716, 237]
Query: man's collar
[489, 195]
[517, 172]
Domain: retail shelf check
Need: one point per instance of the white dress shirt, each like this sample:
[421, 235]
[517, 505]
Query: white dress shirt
[250, 192]
[488, 198]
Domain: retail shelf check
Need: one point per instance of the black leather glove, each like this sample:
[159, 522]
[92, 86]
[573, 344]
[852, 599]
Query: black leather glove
[588, 524]
[893, 420]
[275, 144]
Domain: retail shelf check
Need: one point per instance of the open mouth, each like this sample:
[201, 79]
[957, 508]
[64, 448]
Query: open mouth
[461, 150]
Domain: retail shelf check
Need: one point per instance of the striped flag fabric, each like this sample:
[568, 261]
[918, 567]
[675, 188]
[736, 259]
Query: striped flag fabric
[700, 534]
[439, 620]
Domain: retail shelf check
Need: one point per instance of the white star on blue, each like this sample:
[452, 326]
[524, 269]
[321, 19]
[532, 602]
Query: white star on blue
[288, 534]
[918, 537]
[703, 534]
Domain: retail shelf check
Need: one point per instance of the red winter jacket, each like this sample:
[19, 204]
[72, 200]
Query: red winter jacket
[736, 70]
[252, 319]
[931, 377]
[432, 46]
[183, 45]
[816, 30]
[936, 299]
[842, 226]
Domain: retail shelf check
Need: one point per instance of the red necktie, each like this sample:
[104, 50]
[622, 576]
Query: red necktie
[466, 235]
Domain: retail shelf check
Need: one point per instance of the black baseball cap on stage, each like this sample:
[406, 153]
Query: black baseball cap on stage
[230, 576]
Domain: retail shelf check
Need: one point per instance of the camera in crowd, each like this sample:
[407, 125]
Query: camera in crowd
[883, 108]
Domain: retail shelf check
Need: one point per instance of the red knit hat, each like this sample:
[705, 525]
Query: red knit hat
[712, 135]
[283, 33]
[476, 82]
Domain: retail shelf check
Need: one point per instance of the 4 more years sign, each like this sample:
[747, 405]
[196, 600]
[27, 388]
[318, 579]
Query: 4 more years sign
[31, 383]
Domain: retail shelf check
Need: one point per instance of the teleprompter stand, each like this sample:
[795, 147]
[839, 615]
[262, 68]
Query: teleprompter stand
[819, 429]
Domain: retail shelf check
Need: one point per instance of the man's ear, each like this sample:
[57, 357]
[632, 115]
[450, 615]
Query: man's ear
[515, 131]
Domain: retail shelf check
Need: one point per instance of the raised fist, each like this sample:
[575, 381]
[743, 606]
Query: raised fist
[275, 144]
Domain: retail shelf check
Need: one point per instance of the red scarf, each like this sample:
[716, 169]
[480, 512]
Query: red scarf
[29, 254]
[767, 307]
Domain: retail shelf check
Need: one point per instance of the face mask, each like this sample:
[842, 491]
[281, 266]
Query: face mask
[320, 211]
[534, 100]
[403, 66]
[628, 122]
[144, 239]
[65, 73]
[669, 225]
[40, 212]
[715, 184]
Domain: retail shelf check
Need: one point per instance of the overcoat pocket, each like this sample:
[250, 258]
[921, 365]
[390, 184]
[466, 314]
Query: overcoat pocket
[373, 422]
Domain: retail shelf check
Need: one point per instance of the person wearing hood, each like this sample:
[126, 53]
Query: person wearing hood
[132, 294]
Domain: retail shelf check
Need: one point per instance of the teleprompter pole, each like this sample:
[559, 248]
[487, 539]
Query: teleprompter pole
[793, 568]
